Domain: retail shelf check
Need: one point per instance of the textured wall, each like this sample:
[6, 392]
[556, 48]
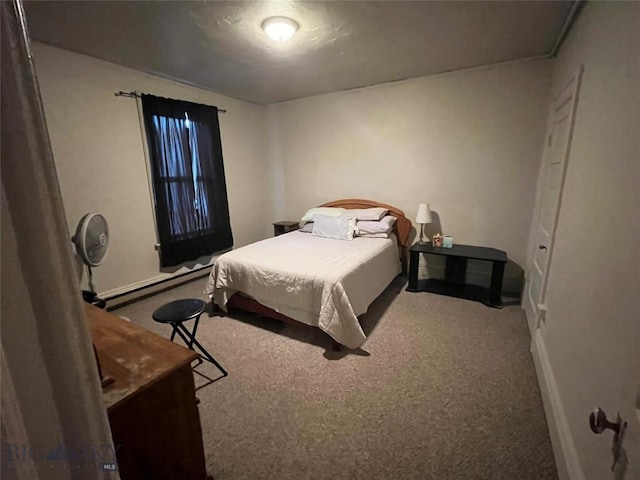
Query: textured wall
[98, 149]
[592, 328]
[469, 143]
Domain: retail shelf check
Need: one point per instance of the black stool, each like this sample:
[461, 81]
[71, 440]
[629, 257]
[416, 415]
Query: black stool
[179, 311]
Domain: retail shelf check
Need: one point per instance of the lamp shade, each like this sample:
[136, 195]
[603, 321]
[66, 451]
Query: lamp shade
[424, 214]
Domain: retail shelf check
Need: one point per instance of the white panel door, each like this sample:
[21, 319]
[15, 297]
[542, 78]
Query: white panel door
[556, 155]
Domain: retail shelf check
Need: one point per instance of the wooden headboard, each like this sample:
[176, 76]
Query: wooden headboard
[402, 228]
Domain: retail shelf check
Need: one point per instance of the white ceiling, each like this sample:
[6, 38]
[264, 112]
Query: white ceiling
[219, 45]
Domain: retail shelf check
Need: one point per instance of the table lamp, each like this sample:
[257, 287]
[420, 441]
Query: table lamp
[423, 217]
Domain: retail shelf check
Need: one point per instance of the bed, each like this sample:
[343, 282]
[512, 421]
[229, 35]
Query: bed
[319, 282]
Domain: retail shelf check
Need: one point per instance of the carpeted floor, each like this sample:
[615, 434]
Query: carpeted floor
[443, 389]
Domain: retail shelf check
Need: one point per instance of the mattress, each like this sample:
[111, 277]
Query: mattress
[318, 281]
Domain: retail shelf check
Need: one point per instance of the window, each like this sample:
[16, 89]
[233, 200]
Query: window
[192, 212]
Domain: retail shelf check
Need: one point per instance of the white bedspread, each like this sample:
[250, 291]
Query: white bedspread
[318, 281]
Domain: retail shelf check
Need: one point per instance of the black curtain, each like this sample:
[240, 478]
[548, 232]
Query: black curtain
[192, 211]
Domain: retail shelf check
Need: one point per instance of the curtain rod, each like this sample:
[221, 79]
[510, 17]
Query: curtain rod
[137, 95]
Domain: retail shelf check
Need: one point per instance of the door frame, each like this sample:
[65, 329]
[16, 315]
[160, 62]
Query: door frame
[535, 314]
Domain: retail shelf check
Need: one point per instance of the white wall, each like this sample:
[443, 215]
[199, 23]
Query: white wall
[98, 149]
[469, 143]
[592, 328]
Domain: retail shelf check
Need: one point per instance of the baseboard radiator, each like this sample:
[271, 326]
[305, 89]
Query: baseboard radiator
[134, 292]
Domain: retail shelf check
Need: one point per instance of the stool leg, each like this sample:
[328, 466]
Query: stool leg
[203, 352]
[193, 332]
[189, 340]
[173, 332]
[192, 336]
[186, 338]
[179, 328]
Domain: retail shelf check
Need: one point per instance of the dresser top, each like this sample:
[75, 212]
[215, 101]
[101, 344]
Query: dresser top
[133, 356]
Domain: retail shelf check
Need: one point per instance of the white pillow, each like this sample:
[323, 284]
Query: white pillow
[326, 211]
[372, 214]
[374, 235]
[341, 228]
[383, 226]
[306, 228]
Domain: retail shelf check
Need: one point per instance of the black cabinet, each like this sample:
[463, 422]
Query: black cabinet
[455, 272]
[284, 227]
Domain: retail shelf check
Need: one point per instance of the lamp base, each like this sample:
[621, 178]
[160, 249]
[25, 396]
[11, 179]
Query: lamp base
[423, 240]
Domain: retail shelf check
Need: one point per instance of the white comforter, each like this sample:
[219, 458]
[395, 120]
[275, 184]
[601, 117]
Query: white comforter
[318, 281]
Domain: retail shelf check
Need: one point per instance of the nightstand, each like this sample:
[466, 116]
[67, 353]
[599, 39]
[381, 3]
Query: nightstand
[284, 227]
[455, 271]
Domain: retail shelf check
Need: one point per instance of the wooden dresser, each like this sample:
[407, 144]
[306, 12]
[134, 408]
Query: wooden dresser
[152, 405]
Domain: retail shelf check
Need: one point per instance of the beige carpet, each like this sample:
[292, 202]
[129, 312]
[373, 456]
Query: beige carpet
[443, 389]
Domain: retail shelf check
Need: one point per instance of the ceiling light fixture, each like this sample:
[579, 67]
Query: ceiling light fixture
[280, 29]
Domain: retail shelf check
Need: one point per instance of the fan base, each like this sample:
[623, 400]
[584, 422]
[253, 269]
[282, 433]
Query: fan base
[92, 298]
